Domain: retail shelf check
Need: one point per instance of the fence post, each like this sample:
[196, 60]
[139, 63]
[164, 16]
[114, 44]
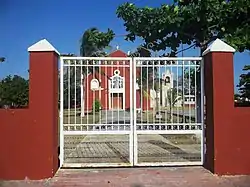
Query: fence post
[43, 105]
[219, 94]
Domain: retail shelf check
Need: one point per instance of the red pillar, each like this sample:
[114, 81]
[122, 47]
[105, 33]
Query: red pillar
[43, 107]
[226, 144]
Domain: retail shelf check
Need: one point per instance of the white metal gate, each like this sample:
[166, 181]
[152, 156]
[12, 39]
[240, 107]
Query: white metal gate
[130, 111]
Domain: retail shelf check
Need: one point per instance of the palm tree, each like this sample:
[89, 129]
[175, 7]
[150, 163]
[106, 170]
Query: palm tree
[92, 44]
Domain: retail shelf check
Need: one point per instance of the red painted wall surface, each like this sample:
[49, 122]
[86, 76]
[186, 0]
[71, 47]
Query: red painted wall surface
[227, 127]
[29, 137]
[90, 95]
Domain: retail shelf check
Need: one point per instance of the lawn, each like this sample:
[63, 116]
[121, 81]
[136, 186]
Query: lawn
[74, 117]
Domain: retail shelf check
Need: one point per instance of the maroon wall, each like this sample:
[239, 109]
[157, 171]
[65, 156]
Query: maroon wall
[29, 137]
[227, 128]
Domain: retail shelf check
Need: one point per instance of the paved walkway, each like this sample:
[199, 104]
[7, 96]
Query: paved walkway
[115, 149]
[136, 177]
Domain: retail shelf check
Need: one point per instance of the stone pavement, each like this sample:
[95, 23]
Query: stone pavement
[136, 177]
[115, 149]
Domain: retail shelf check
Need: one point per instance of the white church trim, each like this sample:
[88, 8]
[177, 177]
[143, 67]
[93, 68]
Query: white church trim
[116, 85]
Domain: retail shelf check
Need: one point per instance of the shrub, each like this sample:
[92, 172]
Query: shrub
[96, 106]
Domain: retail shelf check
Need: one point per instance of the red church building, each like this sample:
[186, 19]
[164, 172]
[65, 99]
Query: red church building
[111, 87]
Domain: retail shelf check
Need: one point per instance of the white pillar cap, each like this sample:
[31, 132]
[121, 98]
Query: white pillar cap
[218, 46]
[42, 46]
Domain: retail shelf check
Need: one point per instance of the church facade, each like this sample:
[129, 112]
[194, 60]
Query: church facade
[110, 86]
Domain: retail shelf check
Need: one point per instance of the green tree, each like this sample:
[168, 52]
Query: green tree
[192, 22]
[14, 91]
[244, 84]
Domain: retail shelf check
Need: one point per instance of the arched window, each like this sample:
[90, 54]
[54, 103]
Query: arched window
[94, 84]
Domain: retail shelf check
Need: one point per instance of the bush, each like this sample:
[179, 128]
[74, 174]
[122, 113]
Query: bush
[96, 106]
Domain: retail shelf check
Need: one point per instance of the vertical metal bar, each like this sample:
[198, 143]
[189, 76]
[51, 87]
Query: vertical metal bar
[69, 98]
[99, 91]
[189, 92]
[75, 95]
[171, 91]
[177, 87]
[132, 110]
[94, 91]
[141, 89]
[118, 94]
[203, 148]
[147, 79]
[124, 89]
[183, 91]
[153, 88]
[159, 89]
[82, 95]
[195, 90]
[107, 87]
[112, 97]
[87, 92]
[164, 91]
[134, 141]
[61, 156]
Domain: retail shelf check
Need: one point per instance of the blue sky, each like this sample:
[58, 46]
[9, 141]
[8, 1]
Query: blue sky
[62, 22]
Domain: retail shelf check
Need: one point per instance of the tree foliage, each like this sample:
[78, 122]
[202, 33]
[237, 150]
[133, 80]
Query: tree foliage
[196, 22]
[14, 91]
[93, 42]
[244, 84]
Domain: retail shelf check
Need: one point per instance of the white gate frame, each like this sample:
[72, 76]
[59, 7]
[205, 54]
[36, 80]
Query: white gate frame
[201, 123]
[62, 123]
[133, 132]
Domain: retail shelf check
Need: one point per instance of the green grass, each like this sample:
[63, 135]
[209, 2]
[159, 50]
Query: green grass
[74, 117]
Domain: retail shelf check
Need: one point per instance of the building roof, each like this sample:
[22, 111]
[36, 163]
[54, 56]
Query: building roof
[118, 53]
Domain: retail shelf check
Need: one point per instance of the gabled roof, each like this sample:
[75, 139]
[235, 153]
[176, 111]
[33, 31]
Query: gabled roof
[118, 53]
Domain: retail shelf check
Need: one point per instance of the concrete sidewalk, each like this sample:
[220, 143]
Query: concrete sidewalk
[136, 177]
